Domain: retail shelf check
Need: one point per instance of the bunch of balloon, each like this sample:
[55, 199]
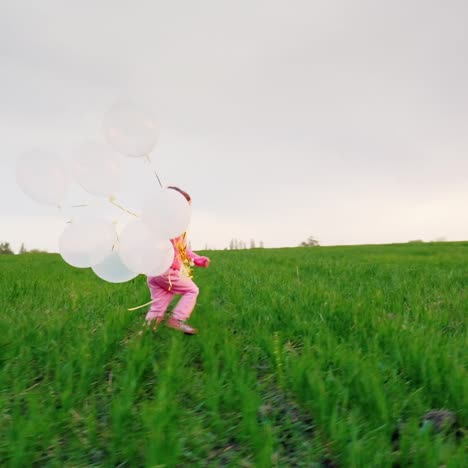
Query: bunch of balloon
[143, 244]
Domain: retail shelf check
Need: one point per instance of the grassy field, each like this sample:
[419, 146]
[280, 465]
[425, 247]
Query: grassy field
[326, 356]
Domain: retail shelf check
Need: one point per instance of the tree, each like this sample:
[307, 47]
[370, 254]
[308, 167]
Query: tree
[5, 248]
[310, 242]
[22, 249]
[231, 245]
[261, 245]
[252, 244]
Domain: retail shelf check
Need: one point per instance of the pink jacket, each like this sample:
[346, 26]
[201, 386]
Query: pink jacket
[180, 245]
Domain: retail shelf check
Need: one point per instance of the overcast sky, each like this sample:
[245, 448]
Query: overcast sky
[346, 120]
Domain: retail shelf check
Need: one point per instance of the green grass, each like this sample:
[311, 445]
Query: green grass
[305, 357]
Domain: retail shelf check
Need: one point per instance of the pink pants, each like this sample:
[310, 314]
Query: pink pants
[164, 287]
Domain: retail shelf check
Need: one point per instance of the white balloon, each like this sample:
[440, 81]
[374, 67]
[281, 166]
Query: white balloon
[97, 168]
[167, 213]
[87, 242]
[130, 129]
[112, 269]
[43, 176]
[143, 252]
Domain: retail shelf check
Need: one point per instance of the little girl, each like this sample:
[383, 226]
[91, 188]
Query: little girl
[177, 280]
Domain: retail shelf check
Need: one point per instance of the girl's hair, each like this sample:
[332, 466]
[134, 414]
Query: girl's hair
[185, 194]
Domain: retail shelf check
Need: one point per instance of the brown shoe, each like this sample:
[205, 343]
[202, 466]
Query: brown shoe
[181, 326]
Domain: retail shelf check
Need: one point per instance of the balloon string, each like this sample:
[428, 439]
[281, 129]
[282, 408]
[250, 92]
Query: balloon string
[112, 200]
[148, 160]
[143, 305]
[117, 240]
[82, 205]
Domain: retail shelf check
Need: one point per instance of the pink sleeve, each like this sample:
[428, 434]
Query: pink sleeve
[192, 255]
[198, 260]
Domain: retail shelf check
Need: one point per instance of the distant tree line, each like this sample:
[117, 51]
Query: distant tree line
[310, 242]
[5, 249]
[421, 241]
[236, 244]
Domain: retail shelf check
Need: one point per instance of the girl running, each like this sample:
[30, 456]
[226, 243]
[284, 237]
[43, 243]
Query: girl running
[176, 281]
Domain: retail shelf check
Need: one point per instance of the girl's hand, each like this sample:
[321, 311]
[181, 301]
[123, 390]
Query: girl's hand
[203, 262]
